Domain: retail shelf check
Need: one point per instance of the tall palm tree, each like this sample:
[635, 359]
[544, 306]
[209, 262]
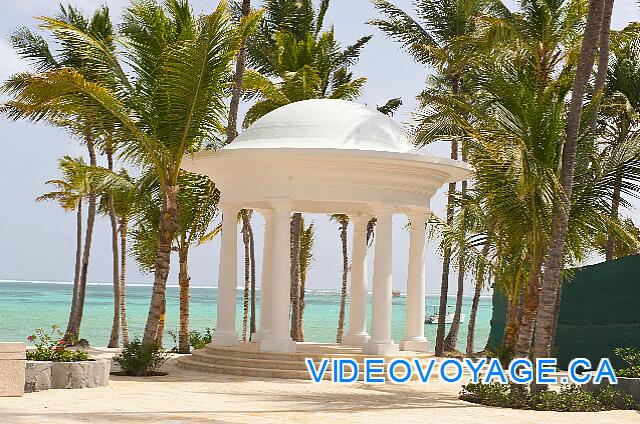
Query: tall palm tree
[294, 288]
[294, 58]
[238, 78]
[197, 203]
[165, 103]
[35, 49]
[343, 221]
[307, 239]
[434, 40]
[620, 108]
[551, 280]
[125, 205]
[70, 193]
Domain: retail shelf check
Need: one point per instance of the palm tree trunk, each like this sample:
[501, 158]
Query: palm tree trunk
[603, 63]
[75, 319]
[306, 242]
[183, 277]
[115, 327]
[296, 223]
[161, 323]
[247, 272]
[371, 230]
[78, 264]
[615, 206]
[617, 189]
[531, 303]
[511, 325]
[232, 130]
[303, 283]
[252, 259]
[168, 225]
[451, 340]
[344, 224]
[476, 301]
[551, 279]
[446, 264]
[123, 280]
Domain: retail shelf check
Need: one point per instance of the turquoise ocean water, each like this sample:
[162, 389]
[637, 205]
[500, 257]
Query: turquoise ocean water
[25, 306]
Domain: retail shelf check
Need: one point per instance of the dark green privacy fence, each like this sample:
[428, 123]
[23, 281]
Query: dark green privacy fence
[599, 311]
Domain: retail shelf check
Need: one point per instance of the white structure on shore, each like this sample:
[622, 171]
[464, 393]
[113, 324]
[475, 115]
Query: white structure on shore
[326, 156]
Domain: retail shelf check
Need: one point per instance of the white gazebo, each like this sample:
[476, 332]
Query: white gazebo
[326, 156]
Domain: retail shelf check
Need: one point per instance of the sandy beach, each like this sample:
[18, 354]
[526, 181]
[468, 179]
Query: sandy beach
[192, 397]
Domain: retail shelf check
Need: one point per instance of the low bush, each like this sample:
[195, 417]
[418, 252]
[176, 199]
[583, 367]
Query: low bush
[568, 399]
[197, 339]
[200, 340]
[496, 394]
[138, 359]
[632, 357]
[51, 346]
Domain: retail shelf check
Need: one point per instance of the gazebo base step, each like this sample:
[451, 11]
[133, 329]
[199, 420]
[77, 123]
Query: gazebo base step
[245, 359]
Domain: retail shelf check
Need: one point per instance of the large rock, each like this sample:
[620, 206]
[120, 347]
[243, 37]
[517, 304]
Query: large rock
[37, 376]
[78, 375]
[12, 359]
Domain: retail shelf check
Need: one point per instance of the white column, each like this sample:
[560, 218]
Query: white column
[226, 334]
[357, 332]
[278, 338]
[414, 335]
[265, 283]
[381, 342]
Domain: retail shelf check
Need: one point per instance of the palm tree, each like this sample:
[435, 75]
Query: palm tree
[70, 193]
[117, 297]
[307, 238]
[165, 103]
[244, 218]
[551, 280]
[434, 41]
[294, 59]
[481, 274]
[232, 125]
[35, 49]
[294, 289]
[197, 204]
[620, 108]
[343, 220]
[247, 232]
[249, 304]
[125, 205]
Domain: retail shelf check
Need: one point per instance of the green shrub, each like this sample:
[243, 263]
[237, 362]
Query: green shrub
[197, 339]
[569, 399]
[141, 359]
[632, 357]
[200, 340]
[51, 346]
[610, 398]
[496, 394]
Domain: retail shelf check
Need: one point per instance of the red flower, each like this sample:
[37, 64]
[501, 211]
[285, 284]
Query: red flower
[58, 348]
[30, 338]
[61, 341]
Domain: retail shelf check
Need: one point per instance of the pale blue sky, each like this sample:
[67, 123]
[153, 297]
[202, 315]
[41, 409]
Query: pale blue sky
[37, 239]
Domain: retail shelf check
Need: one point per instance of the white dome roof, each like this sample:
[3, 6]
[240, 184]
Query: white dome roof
[324, 124]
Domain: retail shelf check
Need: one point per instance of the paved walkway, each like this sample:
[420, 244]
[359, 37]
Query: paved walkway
[192, 397]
